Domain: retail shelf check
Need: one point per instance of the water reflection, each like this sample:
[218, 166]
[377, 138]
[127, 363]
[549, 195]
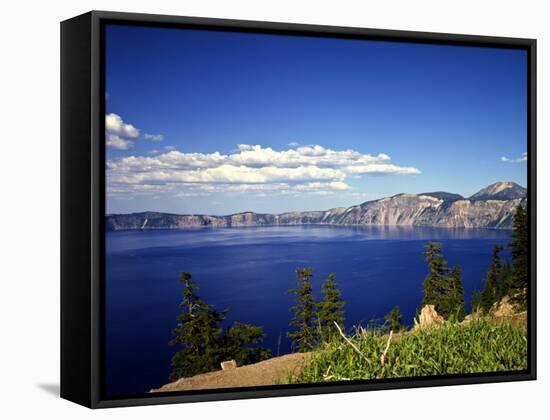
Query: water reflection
[125, 240]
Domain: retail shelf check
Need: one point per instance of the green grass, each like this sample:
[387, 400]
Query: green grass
[484, 345]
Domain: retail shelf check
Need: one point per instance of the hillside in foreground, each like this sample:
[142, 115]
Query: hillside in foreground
[496, 343]
[482, 345]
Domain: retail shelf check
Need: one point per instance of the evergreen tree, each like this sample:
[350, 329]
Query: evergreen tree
[303, 336]
[506, 280]
[393, 320]
[436, 284]
[204, 343]
[491, 290]
[456, 294]
[443, 288]
[331, 309]
[198, 333]
[520, 258]
[240, 344]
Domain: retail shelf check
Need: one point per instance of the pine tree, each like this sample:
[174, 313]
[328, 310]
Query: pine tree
[331, 309]
[506, 280]
[520, 258]
[456, 294]
[443, 288]
[240, 342]
[436, 284]
[204, 343]
[303, 336]
[490, 293]
[393, 320]
[198, 333]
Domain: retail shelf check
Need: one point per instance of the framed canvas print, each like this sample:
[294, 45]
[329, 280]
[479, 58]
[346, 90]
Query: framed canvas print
[255, 209]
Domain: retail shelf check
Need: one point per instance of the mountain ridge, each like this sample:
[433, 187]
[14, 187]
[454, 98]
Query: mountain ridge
[500, 191]
[489, 207]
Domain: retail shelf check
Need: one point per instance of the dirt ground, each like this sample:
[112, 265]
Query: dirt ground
[268, 372]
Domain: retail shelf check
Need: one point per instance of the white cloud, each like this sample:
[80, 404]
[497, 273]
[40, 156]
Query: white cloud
[257, 156]
[115, 125]
[121, 135]
[228, 174]
[293, 144]
[245, 147]
[118, 134]
[309, 169]
[334, 185]
[523, 158]
[116, 142]
[382, 169]
[199, 190]
[153, 137]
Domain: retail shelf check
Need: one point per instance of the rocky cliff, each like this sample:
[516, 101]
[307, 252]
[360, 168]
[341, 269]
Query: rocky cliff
[492, 206]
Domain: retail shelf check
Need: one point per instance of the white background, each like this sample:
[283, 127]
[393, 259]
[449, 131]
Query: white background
[29, 232]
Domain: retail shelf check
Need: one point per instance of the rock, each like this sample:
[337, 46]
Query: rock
[428, 318]
[504, 308]
[229, 365]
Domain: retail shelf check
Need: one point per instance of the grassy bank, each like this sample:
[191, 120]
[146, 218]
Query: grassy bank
[483, 345]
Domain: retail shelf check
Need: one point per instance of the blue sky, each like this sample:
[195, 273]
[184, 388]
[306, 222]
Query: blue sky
[221, 122]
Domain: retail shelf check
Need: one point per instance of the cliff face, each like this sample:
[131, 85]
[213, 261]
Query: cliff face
[430, 209]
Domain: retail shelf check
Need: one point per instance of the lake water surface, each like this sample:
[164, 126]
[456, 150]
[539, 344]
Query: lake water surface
[249, 270]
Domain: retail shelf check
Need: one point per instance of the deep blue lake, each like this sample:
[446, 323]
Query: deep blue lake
[249, 270]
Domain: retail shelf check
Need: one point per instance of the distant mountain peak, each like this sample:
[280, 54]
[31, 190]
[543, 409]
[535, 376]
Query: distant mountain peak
[500, 191]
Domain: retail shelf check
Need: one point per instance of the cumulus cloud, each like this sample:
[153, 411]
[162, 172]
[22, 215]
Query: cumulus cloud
[258, 156]
[121, 135]
[309, 169]
[229, 174]
[153, 137]
[118, 134]
[116, 142]
[382, 169]
[522, 158]
[200, 190]
[115, 125]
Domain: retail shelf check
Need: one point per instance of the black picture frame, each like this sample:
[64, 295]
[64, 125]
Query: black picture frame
[83, 206]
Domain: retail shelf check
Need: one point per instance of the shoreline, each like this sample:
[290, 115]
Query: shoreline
[211, 227]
